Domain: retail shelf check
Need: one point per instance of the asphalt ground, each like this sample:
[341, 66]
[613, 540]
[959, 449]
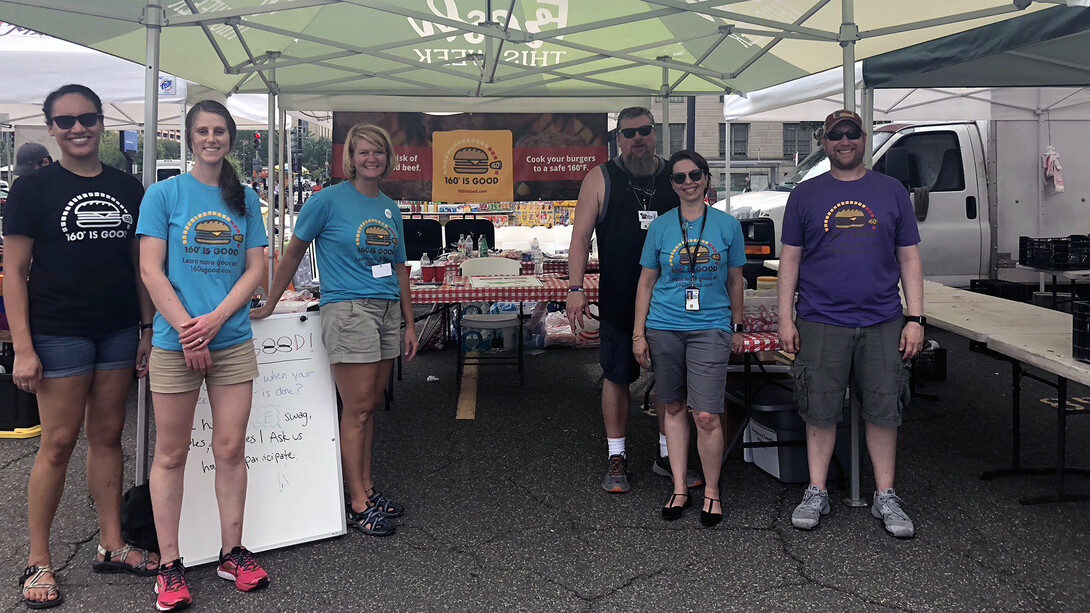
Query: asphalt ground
[506, 513]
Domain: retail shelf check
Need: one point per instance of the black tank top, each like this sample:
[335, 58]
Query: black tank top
[620, 239]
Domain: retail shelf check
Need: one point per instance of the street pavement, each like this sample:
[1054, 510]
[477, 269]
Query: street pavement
[506, 513]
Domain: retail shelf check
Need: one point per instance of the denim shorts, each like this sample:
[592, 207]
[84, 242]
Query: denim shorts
[830, 357]
[69, 356]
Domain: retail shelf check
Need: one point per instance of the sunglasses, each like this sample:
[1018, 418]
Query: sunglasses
[631, 132]
[694, 174]
[65, 122]
[836, 135]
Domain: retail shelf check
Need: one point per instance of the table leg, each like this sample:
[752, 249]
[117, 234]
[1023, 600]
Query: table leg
[853, 500]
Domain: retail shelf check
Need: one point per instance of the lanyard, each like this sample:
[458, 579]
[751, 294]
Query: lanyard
[692, 253]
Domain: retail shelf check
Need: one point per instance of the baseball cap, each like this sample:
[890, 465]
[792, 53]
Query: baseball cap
[28, 156]
[842, 115]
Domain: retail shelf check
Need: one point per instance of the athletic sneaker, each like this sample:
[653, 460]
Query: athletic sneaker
[616, 479]
[171, 589]
[241, 567]
[661, 467]
[887, 507]
[815, 503]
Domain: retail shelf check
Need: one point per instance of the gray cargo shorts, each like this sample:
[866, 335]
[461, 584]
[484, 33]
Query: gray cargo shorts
[830, 356]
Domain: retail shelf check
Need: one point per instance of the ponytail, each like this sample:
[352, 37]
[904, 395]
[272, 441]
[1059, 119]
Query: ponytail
[231, 189]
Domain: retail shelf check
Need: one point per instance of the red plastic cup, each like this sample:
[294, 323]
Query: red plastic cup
[427, 273]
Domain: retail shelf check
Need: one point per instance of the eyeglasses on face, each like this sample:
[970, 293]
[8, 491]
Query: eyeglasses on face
[631, 132]
[836, 135]
[65, 122]
[694, 174]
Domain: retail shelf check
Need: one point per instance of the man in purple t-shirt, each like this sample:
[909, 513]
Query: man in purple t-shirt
[848, 237]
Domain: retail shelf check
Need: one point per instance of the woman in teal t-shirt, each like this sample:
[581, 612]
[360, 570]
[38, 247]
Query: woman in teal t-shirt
[201, 250]
[360, 242]
[688, 314]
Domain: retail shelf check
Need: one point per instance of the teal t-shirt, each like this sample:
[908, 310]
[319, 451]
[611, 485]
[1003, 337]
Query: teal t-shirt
[352, 233]
[206, 251]
[722, 246]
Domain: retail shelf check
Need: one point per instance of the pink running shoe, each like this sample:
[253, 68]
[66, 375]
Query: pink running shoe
[170, 585]
[241, 567]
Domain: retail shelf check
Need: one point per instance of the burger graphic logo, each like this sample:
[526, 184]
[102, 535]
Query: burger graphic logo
[849, 217]
[96, 214]
[377, 236]
[471, 161]
[212, 232]
[702, 255]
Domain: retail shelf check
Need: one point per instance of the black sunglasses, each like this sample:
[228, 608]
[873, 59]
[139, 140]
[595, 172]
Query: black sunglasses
[836, 135]
[65, 122]
[694, 174]
[631, 132]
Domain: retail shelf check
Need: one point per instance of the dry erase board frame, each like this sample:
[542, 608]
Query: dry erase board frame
[295, 492]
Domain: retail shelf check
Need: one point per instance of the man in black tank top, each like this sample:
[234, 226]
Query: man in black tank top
[617, 201]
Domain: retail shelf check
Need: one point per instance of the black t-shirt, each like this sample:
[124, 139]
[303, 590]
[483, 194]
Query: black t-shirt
[82, 280]
[620, 239]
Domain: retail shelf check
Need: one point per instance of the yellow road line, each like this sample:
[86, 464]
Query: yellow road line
[467, 399]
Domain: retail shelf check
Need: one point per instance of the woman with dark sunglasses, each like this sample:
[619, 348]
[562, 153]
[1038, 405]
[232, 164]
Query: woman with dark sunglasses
[75, 319]
[688, 320]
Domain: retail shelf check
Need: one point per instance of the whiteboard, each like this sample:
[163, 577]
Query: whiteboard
[295, 492]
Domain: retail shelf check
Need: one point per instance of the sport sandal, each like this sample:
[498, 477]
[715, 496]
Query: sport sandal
[371, 521]
[115, 561]
[388, 507]
[35, 574]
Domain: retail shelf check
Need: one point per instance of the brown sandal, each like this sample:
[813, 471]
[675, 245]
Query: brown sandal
[115, 562]
[35, 573]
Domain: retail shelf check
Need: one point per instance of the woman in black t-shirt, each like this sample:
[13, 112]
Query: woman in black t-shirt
[75, 320]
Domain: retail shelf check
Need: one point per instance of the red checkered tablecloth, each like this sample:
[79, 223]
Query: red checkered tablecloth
[760, 341]
[552, 288]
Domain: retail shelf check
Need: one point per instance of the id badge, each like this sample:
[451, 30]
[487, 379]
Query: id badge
[379, 271]
[692, 299]
[646, 217]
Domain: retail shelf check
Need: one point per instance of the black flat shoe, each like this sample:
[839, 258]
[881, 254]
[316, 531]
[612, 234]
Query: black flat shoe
[670, 512]
[708, 518]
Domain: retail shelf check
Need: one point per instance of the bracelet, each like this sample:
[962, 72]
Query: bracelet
[144, 326]
[637, 337]
[575, 288]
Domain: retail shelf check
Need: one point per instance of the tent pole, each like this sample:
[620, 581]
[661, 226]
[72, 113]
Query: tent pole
[286, 171]
[664, 93]
[849, 33]
[181, 129]
[866, 101]
[272, 166]
[153, 18]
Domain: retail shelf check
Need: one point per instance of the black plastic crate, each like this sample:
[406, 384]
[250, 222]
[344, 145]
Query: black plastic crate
[1080, 331]
[1060, 253]
[18, 409]
[930, 364]
[1002, 289]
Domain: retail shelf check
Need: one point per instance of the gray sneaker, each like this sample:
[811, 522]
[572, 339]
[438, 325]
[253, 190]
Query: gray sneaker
[887, 507]
[616, 479]
[661, 467]
[815, 503]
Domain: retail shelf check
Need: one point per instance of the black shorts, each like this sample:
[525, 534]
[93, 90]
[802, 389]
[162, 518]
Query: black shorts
[615, 354]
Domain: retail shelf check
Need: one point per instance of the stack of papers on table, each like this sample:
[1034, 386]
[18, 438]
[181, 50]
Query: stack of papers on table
[293, 306]
[503, 282]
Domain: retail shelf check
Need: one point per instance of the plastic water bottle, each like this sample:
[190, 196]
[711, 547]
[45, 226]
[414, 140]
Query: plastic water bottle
[482, 246]
[535, 254]
[462, 244]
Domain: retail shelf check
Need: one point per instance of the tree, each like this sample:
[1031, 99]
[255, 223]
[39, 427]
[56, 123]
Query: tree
[110, 154]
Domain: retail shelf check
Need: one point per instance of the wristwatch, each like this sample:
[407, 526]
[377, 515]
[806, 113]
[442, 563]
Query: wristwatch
[575, 288]
[738, 327]
[920, 319]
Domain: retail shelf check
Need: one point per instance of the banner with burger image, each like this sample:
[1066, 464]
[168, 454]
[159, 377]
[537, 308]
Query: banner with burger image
[213, 243]
[472, 166]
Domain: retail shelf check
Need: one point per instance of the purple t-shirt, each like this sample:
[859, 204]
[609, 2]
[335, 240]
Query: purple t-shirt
[849, 231]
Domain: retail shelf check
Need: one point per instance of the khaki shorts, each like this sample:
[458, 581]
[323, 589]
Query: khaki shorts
[362, 331]
[168, 374]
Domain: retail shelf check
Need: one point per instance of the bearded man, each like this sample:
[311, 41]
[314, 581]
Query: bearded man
[617, 201]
